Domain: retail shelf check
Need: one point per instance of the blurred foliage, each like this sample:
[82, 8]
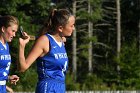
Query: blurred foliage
[105, 76]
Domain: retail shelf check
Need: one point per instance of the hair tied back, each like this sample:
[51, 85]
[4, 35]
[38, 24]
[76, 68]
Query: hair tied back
[53, 12]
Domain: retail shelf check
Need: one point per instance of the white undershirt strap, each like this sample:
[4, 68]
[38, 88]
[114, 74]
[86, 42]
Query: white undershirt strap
[59, 43]
[4, 45]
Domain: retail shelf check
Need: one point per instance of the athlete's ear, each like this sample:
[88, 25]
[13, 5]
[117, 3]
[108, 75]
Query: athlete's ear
[60, 28]
[3, 29]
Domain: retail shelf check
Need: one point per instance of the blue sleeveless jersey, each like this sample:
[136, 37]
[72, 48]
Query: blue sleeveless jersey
[54, 64]
[5, 61]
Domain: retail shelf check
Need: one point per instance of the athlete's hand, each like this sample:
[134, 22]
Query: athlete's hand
[22, 41]
[13, 79]
[10, 90]
[64, 39]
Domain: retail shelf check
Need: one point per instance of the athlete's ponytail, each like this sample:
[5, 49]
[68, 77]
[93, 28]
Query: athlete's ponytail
[56, 18]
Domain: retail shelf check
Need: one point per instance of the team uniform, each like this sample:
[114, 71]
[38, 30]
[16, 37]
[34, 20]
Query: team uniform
[5, 61]
[51, 68]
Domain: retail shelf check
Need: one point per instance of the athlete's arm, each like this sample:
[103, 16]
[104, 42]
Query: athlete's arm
[40, 48]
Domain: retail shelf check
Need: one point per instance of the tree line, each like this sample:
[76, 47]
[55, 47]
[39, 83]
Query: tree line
[103, 51]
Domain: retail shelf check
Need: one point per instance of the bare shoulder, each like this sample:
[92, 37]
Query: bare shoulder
[42, 40]
[42, 43]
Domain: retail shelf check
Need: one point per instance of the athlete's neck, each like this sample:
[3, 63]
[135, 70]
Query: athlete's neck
[57, 38]
[2, 40]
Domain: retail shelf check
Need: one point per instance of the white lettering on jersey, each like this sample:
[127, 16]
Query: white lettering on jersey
[5, 57]
[7, 68]
[4, 73]
[60, 55]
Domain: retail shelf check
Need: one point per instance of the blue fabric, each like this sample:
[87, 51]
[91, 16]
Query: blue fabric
[51, 68]
[50, 86]
[5, 62]
[3, 89]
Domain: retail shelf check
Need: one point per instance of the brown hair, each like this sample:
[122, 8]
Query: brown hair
[57, 18]
[8, 20]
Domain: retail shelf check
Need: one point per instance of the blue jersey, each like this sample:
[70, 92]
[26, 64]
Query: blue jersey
[55, 63]
[5, 61]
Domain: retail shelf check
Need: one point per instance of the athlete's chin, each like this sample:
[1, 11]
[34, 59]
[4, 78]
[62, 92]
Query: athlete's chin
[69, 34]
[9, 40]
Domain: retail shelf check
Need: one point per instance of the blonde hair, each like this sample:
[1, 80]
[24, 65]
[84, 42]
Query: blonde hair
[8, 20]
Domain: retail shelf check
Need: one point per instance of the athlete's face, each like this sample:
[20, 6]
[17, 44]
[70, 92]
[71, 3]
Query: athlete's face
[69, 27]
[10, 32]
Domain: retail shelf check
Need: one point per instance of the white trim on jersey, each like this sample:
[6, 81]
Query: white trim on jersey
[59, 43]
[3, 82]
